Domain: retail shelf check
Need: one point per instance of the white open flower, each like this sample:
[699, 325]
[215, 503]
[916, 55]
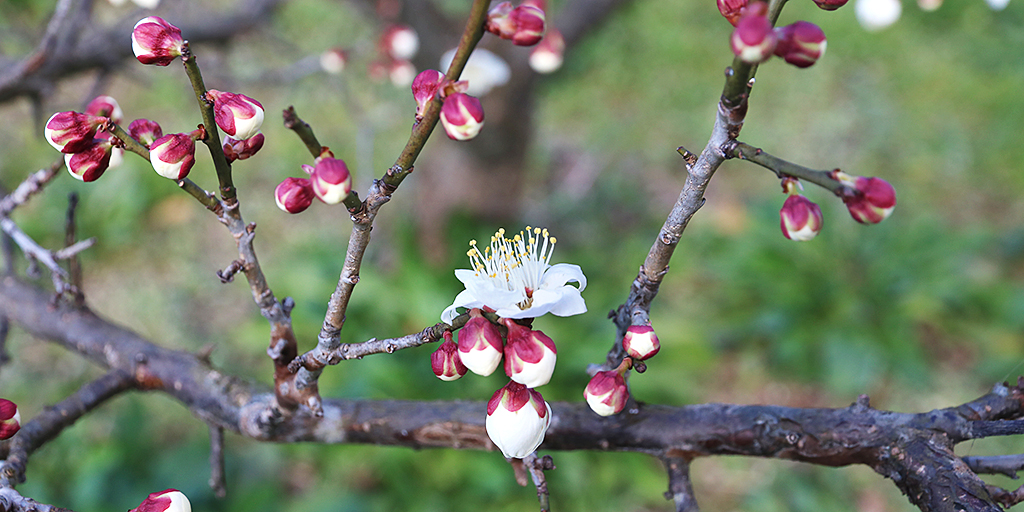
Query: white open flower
[512, 277]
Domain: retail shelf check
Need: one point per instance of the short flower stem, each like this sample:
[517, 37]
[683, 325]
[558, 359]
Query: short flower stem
[782, 168]
[130, 144]
[212, 139]
[303, 130]
[199, 193]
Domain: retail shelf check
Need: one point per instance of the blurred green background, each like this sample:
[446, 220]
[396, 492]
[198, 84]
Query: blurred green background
[924, 310]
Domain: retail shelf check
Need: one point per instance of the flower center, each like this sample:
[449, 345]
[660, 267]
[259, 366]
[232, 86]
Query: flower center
[515, 264]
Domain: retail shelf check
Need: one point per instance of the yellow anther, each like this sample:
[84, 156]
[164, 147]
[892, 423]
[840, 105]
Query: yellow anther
[553, 240]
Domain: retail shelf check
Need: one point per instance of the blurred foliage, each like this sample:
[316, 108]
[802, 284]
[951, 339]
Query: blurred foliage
[925, 310]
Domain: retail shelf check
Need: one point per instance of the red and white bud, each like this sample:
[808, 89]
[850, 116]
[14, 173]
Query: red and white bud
[400, 42]
[10, 419]
[105, 106]
[830, 5]
[401, 72]
[331, 180]
[156, 41]
[333, 61]
[517, 419]
[173, 155]
[640, 342]
[462, 116]
[547, 57]
[445, 360]
[801, 43]
[424, 88]
[873, 201]
[529, 355]
[498, 21]
[799, 218]
[237, 114]
[145, 131]
[90, 164]
[242, 149]
[294, 195]
[480, 345]
[753, 39]
[171, 500]
[875, 15]
[529, 25]
[71, 132]
[606, 393]
[732, 9]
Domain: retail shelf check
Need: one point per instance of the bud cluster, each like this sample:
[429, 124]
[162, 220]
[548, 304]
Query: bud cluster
[755, 41]
[461, 114]
[10, 419]
[329, 181]
[88, 148]
[523, 25]
[606, 393]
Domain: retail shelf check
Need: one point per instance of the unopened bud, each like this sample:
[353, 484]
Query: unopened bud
[799, 218]
[242, 149]
[529, 25]
[547, 57]
[498, 21]
[156, 41]
[173, 155]
[462, 116]
[517, 419]
[606, 393]
[105, 106]
[530, 355]
[400, 42]
[171, 500]
[731, 9]
[294, 195]
[640, 342]
[830, 5]
[145, 131]
[10, 419]
[480, 345]
[333, 61]
[873, 201]
[800, 44]
[753, 39]
[445, 360]
[331, 180]
[71, 132]
[237, 114]
[89, 165]
[424, 88]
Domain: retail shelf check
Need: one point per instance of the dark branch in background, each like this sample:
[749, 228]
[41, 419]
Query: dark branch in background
[915, 450]
[12, 501]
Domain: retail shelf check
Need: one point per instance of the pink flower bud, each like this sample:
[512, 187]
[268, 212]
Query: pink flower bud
[155, 41]
[480, 345]
[640, 342]
[529, 355]
[424, 88]
[462, 116]
[529, 25]
[874, 201]
[753, 39]
[799, 218]
[171, 500]
[401, 72]
[445, 360]
[145, 131]
[731, 9]
[606, 393]
[71, 132]
[517, 419]
[830, 5]
[548, 55]
[331, 180]
[105, 106]
[242, 149]
[238, 115]
[10, 419]
[173, 155]
[801, 43]
[294, 195]
[498, 21]
[400, 42]
[333, 61]
[88, 165]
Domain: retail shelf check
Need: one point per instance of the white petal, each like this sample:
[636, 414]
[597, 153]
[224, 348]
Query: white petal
[539, 373]
[571, 302]
[517, 434]
[463, 300]
[562, 273]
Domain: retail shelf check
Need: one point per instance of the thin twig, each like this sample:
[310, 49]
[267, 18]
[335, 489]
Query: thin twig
[1007, 465]
[1006, 498]
[680, 488]
[36, 253]
[12, 501]
[217, 484]
[30, 186]
[783, 168]
[536, 466]
[71, 250]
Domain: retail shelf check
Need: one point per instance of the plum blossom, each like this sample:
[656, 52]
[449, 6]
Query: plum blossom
[513, 278]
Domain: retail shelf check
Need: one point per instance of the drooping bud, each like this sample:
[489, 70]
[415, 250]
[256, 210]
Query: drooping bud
[331, 180]
[89, 165]
[830, 5]
[173, 155]
[71, 132]
[874, 200]
[753, 39]
[606, 393]
[156, 41]
[731, 9]
[462, 116]
[171, 500]
[237, 114]
[294, 195]
[424, 88]
[799, 218]
[445, 360]
[145, 131]
[400, 42]
[640, 342]
[242, 149]
[480, 345]
[333, 61]
[529, 355]
[105, 106]
[875, 15]
[529, 25]
[548, 55]
[10, 419]
[801, 43]
[517, 419]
